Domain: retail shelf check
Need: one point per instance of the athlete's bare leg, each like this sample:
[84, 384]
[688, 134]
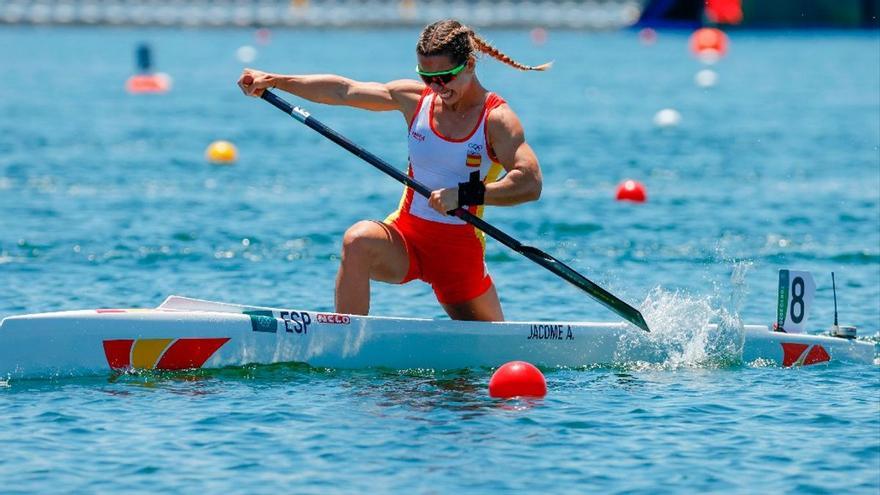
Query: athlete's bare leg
[485, 307]
[370, 250]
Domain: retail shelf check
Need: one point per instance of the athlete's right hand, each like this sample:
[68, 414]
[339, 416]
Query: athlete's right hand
[444, 200]
[253, 82]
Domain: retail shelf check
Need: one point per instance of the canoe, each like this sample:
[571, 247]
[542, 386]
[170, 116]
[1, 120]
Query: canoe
[184, 333]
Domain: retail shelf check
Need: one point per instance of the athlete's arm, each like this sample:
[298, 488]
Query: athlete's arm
[402, 95]
[523, 181]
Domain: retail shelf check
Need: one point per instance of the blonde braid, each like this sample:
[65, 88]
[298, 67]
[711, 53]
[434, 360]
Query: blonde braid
[483, 46]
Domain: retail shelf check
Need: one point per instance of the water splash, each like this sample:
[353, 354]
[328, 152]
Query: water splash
[738, 288]
[686, 331]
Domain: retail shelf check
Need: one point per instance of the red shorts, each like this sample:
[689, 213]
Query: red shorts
[449, 257]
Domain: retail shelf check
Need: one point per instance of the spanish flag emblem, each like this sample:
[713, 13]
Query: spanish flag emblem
[474, 160]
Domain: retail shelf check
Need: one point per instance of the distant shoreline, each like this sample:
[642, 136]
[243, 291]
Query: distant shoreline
[381, 14]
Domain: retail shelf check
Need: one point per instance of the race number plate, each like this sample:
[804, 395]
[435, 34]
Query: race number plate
[796, 290]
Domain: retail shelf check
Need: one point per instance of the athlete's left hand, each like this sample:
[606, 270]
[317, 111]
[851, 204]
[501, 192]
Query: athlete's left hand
[259, 82]
[444, 200]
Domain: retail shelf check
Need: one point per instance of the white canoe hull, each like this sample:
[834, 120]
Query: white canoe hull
[187, 333]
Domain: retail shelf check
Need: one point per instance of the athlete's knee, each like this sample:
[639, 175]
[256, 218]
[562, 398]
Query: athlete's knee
[361, 240]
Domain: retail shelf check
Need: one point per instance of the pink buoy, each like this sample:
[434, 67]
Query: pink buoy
[539, 36]
[517, 379]
[648, 36]
[263, 36]
[631, 190]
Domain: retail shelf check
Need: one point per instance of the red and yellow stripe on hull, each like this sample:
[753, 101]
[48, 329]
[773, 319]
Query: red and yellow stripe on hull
[161, 354]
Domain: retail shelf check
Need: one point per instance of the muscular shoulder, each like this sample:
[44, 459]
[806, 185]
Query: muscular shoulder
[504, 125]
[406, 92]
[406, 86]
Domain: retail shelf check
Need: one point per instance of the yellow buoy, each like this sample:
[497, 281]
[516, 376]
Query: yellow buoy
[221, 153]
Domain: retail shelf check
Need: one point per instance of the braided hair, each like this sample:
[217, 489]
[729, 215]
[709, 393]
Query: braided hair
[457, 41]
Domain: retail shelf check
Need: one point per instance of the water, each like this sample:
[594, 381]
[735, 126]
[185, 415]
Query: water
[106, 201]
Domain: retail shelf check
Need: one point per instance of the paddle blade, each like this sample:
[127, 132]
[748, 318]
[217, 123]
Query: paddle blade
[607, 299]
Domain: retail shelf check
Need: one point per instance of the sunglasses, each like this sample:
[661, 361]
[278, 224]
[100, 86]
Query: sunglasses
[442, 77]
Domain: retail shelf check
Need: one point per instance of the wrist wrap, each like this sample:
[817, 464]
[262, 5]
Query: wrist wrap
[472, 192]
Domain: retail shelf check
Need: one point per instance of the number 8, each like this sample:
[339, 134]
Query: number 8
[797, 298]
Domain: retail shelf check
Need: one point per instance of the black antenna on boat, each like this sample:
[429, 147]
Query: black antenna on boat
[846, 331]
[834, 292]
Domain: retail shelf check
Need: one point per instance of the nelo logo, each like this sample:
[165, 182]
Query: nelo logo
[333, 318]
[418, 137]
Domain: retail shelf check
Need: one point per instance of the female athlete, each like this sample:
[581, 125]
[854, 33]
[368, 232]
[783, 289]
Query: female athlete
[461, 138]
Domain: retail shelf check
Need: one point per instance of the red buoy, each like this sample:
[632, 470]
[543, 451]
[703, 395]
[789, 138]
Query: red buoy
[517, 379]
[708, 44]
[632, 190]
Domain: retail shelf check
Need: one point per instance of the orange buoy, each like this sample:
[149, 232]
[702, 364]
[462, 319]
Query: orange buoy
[148, 83]
[631, 190]
[708, 44]
[517, 379]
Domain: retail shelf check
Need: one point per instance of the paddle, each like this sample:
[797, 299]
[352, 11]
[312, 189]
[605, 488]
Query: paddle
[608, 299]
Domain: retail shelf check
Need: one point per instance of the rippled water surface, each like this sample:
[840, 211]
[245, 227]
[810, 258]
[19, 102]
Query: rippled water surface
[106, 201]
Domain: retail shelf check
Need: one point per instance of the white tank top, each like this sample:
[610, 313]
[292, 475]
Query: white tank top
[440, 162]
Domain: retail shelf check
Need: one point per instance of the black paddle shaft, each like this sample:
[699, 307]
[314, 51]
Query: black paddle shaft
[564, 271]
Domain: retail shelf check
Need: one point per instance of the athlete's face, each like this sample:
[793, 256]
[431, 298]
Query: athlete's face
[450, 80]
